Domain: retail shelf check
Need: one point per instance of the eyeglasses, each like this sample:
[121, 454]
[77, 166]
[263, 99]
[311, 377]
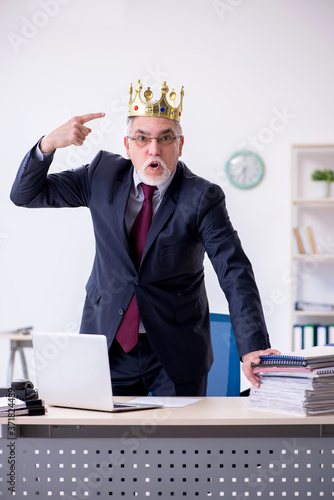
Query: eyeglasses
[163, 140]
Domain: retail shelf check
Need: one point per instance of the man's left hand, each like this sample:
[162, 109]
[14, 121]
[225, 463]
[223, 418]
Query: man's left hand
[254, 357]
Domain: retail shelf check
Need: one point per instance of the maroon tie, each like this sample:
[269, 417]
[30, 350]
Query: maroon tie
[127, 334]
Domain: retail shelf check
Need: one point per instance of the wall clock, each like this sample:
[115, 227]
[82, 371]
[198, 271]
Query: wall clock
[244, 169]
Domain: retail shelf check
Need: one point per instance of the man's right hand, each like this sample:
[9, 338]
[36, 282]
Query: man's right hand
[72, 132]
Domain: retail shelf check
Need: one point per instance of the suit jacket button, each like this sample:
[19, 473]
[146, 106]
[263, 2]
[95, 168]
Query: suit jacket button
[121, 312]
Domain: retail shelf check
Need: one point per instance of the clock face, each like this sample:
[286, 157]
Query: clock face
[244, 169]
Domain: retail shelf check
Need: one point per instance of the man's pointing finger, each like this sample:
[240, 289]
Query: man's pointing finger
[90, 116]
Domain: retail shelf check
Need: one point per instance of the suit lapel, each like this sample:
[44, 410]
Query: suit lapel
[165, 210]
[121, 195]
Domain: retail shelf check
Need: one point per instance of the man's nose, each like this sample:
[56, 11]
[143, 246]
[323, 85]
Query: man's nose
[154, 147]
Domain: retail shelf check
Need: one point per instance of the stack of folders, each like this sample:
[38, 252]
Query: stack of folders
[301, 382]
[13, 407]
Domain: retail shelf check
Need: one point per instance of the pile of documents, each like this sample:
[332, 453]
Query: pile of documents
[14, 407]
[301, 382]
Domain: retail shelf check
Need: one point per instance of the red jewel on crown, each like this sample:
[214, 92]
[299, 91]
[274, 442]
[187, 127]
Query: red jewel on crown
[135, 108]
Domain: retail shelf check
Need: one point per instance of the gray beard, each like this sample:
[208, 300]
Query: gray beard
[145, 177]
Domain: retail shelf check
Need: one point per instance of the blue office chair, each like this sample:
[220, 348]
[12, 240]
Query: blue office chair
[224, 376]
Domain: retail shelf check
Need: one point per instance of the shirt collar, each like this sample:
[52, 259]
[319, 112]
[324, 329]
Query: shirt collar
[162, 188]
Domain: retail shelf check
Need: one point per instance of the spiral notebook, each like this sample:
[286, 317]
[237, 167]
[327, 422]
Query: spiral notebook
[314, 357]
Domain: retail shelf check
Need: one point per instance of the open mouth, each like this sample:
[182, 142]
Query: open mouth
[154, 165]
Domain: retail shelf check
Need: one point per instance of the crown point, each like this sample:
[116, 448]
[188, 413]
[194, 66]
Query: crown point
[130, 94]
[164, 88]
[139, 86]
[148, 94]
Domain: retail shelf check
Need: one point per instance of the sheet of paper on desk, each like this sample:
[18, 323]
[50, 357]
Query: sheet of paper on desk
[165, 401]
[11, 403]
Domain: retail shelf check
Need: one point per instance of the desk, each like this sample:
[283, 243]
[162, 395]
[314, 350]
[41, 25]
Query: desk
[212, 449]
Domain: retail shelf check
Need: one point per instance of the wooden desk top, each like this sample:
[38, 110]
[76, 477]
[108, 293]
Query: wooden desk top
[16, 336]
[206, 412]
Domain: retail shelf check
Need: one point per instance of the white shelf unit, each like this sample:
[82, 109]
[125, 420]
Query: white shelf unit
[312, 273]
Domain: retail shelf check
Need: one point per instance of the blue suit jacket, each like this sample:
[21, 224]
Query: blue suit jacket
[169, 285]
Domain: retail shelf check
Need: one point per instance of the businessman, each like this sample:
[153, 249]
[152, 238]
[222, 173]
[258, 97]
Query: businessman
[153, 219]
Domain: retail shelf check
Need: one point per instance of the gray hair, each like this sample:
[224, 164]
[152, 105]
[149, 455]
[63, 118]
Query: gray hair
[129, 121]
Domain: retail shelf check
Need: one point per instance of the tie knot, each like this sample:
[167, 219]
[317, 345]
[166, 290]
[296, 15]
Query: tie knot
[148, 191]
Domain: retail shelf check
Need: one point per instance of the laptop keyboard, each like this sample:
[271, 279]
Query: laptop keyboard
[122, 405]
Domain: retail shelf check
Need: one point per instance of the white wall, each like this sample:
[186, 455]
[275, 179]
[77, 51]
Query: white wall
[242, 64]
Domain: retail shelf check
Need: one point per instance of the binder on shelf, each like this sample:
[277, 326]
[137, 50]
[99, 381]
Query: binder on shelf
[297, 336]
[306, 336]
[309, 336]
[331, 334]
[321, 335]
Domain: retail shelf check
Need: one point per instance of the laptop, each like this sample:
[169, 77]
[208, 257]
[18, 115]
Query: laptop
[72, 370]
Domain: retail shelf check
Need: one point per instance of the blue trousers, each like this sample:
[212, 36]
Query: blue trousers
[139, 372]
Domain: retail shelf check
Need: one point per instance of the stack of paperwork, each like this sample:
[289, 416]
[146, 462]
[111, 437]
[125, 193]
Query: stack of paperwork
[301, 382]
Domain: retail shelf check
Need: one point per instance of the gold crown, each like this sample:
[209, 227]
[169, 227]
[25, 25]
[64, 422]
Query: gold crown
[161, 108]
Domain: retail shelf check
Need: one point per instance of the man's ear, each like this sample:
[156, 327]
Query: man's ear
[181, 145]
[127, 147]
